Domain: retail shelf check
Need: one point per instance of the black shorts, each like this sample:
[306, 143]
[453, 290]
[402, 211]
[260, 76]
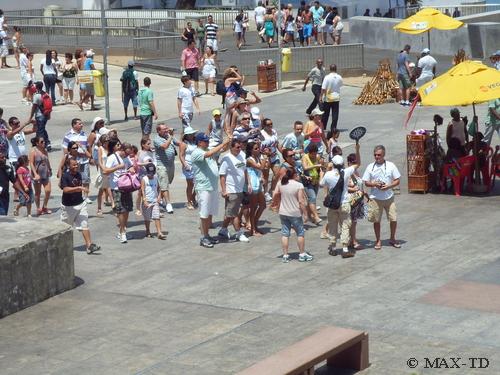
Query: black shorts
[193, 73]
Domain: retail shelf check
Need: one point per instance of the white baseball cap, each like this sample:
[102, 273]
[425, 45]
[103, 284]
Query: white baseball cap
[255, 113]
[338, 160]
[426, 50]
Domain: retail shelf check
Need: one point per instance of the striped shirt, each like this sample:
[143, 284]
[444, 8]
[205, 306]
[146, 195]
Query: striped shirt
[211, 30]
[164, 157]
[80, 138]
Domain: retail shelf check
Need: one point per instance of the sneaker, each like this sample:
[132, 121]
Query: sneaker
[224, 234]
[243, 238]
[213, 240]
[268, 197]
[285, 258]
[88, 201]
[93, 248]
[205, 242]
[123, 237]
[170, 209]
[305, 257]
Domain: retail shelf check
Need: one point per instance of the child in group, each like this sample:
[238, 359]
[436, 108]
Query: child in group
[150, 191]
[24, 178]
[333, 141]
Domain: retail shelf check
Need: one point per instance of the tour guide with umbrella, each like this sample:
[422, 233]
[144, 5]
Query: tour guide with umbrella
[469, 82]
[425, 20]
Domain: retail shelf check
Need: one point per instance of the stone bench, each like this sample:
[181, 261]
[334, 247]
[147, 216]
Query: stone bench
[36, 262]
[340, 347]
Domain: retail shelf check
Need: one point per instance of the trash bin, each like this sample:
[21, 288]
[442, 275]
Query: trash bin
[286, 61]
[99, 89]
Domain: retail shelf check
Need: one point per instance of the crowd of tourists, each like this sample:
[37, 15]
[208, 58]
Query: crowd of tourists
[238, 155]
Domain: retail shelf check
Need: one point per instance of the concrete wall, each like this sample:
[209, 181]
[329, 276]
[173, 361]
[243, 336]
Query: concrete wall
[36, 262]
[379, 33]
[482, 17]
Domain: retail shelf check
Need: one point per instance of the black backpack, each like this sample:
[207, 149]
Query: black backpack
[333, 199]
[220, 88]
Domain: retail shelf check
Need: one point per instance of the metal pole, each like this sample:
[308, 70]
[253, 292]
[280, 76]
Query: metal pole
[280, 15]
[105, 60]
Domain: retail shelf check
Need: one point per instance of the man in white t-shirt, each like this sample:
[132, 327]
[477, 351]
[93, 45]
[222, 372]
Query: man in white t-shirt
[330, 97]
[340, 217]
[17, 139]
[4, 48]
[259, 13]
[186, 101]
[426, 68]
[233, 179]
[382, 176]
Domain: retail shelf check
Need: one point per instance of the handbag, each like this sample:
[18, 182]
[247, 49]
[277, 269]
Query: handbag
[128, 182]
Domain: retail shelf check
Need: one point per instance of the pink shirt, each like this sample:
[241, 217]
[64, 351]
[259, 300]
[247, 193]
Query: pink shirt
[289, 205]
[190, 58]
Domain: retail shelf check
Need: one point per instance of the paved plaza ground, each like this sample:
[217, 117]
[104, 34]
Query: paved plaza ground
[173, 307]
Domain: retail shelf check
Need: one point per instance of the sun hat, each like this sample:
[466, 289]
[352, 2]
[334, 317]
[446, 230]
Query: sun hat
[338, 160]
[95, 121]
[189, 130]
[317, 112]
[216, 112]
[201, 137]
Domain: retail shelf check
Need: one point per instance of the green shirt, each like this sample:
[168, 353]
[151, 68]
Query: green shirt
[491, 119]
[145, 96]
[200, 31]
[206, 172]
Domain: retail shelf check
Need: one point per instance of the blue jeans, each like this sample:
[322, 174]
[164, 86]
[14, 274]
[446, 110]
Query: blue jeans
[289, 222]
[50, 85]
[41, 122]
[4, 206]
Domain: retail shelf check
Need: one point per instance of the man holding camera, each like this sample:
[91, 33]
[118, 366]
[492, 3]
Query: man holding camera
[382, 176]
[164, 144]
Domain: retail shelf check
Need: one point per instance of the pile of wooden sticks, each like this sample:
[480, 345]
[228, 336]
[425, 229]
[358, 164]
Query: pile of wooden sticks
[382, 88]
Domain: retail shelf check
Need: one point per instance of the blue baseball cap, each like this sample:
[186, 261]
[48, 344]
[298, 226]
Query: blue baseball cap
[201, 137]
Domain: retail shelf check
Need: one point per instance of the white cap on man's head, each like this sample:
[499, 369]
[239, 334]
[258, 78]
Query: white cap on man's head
[426, 51]
[90, 53]
[255, 111]
[338, 160]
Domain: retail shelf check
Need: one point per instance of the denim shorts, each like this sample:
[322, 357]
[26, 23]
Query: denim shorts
[311, 192]
[289, 222]
[146, 124]
[130, 96]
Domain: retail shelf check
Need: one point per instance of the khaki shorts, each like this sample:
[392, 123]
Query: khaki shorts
[233, 204]
[165, 176]
[376, 207]
[76, 216]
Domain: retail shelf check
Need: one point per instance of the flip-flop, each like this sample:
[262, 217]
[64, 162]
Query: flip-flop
[378, 247]
[358, 247]
[395, 244]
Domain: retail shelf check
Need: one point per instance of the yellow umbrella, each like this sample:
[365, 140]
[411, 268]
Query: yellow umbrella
[425, 20]
[469, 82]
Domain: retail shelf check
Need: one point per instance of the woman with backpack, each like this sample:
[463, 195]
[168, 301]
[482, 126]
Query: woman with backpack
[337, 201]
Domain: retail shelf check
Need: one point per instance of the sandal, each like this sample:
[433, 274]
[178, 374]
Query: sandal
[162, 237]
[378, 247]
[148, 235]
[138, 212]
[99, 213]
[395, 244]
[39, 212]
[45, 210]
[358, 247]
